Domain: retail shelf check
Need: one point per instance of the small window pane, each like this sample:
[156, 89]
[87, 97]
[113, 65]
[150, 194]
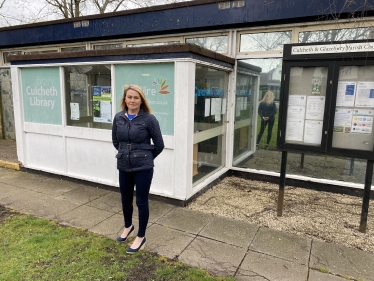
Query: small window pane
[270, 41]
[336, 35]
[73, 49]
[152, 44]
[40, 52]
[6, 54]
[217, 44]
[108, 46]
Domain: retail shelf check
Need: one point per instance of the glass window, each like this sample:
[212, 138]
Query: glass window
[108, 46]
[214, 43]
[270, 41]
[246, 85]
[88, 96]
[152, 44]
[40, 52]
[211, 87]
[354, 113]
[73, 49]
[270, 80]
[336, 35]
[6, 54]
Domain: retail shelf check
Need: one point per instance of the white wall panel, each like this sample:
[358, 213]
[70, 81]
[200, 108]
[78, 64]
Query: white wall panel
[91, 160]
[45, 152]
[164, 176]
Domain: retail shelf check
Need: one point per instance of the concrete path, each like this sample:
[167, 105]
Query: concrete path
[222, 246]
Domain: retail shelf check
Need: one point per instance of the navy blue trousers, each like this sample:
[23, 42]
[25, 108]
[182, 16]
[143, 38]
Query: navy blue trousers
[142, 180]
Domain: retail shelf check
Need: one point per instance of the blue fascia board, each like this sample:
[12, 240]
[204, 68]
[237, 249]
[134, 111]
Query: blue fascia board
[175, 20]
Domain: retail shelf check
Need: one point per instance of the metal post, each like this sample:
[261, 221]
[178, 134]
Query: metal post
[366, 198]
[302, 160]
[282, 183]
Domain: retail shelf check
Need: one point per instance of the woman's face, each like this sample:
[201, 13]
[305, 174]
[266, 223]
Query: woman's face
[133, 101]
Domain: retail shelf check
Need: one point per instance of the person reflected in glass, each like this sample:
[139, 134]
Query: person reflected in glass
[133, 129]
[267, 110]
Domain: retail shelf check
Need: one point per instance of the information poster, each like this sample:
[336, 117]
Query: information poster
[297, 100]
[41, 95]
[157, 82]
[295, 112]
[313, 131]
[362, 122]
[102, 104]
[365, 94]
[316, 86]
[74, 109]
[295, 129]
[343, 120]
[346, 94]
[315, 108]
[207, 108]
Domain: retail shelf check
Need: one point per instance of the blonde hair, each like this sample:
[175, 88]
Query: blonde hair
[139, 90]
[268, 98]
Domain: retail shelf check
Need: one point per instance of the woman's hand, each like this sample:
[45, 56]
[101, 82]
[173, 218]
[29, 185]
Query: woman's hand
[265, 118]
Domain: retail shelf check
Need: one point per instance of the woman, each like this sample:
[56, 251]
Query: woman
[133, 129]
[267, 110]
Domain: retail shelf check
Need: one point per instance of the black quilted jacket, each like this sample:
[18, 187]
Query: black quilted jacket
[133, 141]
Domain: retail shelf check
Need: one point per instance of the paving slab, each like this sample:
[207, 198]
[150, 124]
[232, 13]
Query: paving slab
[23, 199]
[230, 231]
[110, 201]
[342, 261]
[315, 275]
[26, 180]
[158, 209]
[56, 187]
[112, 227]
[282, 245]
[49, 207]
[7, 190]
[261, 267]
[218, 258]
[84, 194]
[185, 220]
[166, 241]
[84, 217]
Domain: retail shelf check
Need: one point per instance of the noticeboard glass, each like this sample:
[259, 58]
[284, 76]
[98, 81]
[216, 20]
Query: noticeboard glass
[354, 112]
[306, 105]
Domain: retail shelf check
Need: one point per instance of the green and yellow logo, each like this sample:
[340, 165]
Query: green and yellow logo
[162, 84]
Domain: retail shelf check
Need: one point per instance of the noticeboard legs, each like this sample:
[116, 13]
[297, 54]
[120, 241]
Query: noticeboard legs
[366, 197]
[352, 166]
[302, 161]
[282, 183]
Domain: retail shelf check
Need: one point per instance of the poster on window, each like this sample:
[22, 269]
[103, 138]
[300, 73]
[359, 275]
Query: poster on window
[365, 94]
[102, 104]
[362, 122]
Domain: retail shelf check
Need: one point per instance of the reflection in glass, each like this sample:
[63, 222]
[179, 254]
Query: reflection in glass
[209, 119]
[246, 86]
[152, 44]
[108, 46]
[337, 35]
[269, 41]
[88, 96]
[40, 52]
[73, 49]
[354, 113]
[217, 43]
[6, 54]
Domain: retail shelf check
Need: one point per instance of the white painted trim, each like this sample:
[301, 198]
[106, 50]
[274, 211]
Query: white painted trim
[18, 112]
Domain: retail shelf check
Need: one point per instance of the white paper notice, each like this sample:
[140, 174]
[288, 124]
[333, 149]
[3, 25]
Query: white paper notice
[223, 106]
[313, 131]
[218, 106]
[237, 108]
[315, 108]
[365, 94]
[295, 129]
[295, 112]
[297, 100]
[213, 107]
[343, 120]
[362, 121]
[346, 94]
[207, 108]
[245, 103]
[74, 109]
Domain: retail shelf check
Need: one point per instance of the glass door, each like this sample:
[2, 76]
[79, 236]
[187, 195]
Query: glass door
[209, 152]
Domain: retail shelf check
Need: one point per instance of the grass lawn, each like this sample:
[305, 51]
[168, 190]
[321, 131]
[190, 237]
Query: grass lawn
[273, 140]
[39, 249]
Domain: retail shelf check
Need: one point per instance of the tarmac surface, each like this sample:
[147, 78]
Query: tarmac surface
[222, 246]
